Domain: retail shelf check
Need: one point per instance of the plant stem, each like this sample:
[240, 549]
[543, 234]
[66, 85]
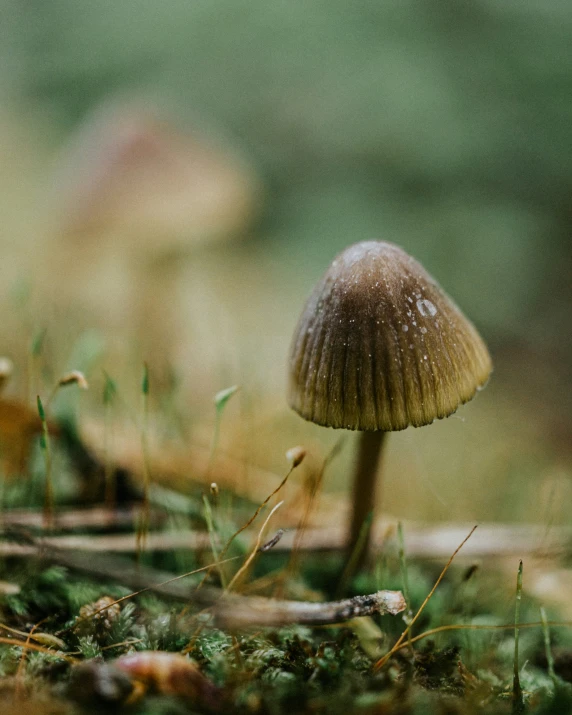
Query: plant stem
[213, 538]
[403, 565]
[517, 699]
[109, 391]
[145, 509]
[49, 494]
[363, 501]
[220, 400]
[549, 658]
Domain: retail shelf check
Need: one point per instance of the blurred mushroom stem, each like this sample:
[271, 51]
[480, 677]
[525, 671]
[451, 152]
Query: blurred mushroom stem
[156, 310]
[364, 494]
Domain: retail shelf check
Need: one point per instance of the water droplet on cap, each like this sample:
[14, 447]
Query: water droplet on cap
[426, 307]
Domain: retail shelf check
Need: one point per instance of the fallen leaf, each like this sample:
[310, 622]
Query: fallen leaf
[19, 425]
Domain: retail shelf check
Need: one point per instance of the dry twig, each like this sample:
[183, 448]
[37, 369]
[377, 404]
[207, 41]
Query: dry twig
[229, 609]
[249, 612]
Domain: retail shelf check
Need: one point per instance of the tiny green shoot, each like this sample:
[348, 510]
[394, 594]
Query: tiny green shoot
[45, 445]
[36, 348]
[220, 400]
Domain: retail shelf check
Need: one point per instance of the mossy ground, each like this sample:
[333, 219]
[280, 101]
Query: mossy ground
[290, 669]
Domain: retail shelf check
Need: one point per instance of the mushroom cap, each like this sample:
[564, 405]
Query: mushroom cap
[131, 176]
[380, 346]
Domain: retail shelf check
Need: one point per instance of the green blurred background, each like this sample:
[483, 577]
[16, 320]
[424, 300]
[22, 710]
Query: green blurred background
[445, 127]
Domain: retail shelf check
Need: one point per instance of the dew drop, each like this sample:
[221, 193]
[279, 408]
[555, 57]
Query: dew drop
[426, 307]
[423, 330]
[405, 328]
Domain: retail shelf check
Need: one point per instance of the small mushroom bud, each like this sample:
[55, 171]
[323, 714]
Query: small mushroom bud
[75, 377]
[296, 455]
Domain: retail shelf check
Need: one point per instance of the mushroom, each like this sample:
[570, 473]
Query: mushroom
[380, 347]
[137, 195]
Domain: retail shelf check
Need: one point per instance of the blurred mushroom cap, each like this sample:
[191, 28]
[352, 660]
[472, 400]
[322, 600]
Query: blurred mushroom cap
[131, 173]
[380, 346]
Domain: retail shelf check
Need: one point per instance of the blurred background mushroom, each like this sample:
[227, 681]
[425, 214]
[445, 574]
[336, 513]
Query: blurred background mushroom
[138, 192]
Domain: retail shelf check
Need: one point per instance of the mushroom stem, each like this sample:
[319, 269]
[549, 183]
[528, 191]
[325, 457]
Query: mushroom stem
[363, 502]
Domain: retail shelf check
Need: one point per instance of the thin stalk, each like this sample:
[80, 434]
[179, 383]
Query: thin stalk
[479, 627]
[244, 568]
[26, 645]
[547, 648]
[517, 699]
[213, 538]
[143, 528]
[297, 460]
[406, 633]
[408, 615]
[109, 391]
[259, 509]
[220, 400]
[33, 357]
[403, 565]
[312, 486]
[45, 443]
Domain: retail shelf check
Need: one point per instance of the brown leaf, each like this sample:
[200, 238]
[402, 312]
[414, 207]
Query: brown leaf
[19, 424]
